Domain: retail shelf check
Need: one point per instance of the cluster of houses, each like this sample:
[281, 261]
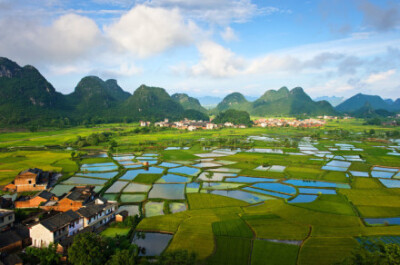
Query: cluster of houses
[191, 125]
[289, 123]
[57, 219]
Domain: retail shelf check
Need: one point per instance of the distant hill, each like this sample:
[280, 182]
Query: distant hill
[334, 101]
[234, 101]
[188, 102]
[277, 102]
[95, 97]
[25, 95]
[152, 103]
[367, 111]
[358, 101]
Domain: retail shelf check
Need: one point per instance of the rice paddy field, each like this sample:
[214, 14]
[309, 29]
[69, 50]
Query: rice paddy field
[235, 196]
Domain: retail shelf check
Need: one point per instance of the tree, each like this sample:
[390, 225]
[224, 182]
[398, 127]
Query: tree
[88, 248]
[123, 257]
[179, 257]
[44, 256]
[374, 254]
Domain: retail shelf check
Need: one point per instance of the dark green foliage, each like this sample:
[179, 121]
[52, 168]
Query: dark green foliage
[192, 114]
[188, 103]
[43, 256]
[92, 140]
[179, 257]
[88, 248]
[235, 116]
[374, 254]
[123, 257]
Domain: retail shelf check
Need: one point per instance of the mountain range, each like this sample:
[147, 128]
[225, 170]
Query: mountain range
[26, 97]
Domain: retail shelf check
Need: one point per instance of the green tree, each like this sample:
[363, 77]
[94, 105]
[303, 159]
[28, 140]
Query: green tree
[123, 257]
[179, 257]
[374, 254]
[44, 256]
[87, 248]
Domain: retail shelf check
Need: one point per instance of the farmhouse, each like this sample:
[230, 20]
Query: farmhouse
[35, 201]
[55, 228]
[31, 180]
[98, 213]
[75, 199]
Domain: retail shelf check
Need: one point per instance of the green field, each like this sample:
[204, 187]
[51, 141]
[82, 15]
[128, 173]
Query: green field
[235, 230]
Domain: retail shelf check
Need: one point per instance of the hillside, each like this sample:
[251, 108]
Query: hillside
[358, 101]
[188, 102]
[277, 102]
[151, 103]
[25, 95]
[94, 97]
[233, 101]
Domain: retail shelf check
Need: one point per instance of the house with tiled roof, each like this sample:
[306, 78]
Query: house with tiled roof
[75, 199]
[33, 179]
[55, 228]
[33, 202]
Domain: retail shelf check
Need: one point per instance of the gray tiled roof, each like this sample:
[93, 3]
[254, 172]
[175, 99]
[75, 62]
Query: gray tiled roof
[60, 220]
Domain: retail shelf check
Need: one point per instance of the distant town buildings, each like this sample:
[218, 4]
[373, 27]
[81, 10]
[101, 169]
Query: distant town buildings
[289, 123]
[191, 125]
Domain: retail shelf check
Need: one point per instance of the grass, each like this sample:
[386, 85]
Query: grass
[277, 228]
[265, 252]
[114, 231]
[320, 251]
[147, 178]
[336, 204]
[11, 163]
[231, 251]
[163, 223]
[233, 228]
[207, 201]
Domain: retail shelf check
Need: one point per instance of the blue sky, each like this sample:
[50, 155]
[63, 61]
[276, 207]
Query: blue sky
[210, 47]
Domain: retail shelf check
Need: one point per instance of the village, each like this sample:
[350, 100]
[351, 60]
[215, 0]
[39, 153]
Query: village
[55, 219]
[192, 125]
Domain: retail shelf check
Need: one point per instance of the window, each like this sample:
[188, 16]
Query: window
[10, 217]
[30, 181]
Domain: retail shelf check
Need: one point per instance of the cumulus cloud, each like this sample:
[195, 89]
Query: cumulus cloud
[229, 34]
[217, 61]
[373, 78]
[145, 30]
[380, 18]
[69, 37]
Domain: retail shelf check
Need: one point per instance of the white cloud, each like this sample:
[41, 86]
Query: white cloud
[217, 61]
[145, 31]
[229, 34]
[216, 11]
[68, 38]
[374, 78]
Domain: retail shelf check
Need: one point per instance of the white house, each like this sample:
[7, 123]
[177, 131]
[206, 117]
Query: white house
[55, 228]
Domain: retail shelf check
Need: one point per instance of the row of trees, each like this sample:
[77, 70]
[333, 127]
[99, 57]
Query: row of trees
[93, 249]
